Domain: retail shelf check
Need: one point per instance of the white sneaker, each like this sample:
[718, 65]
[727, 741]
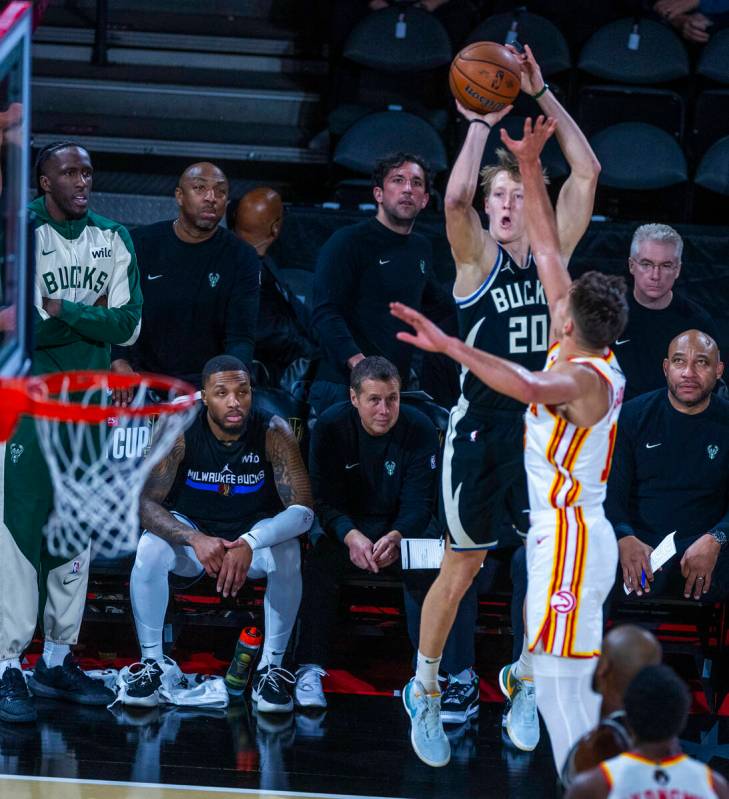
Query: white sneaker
[308, 691]
[426, 728]
[522, 720]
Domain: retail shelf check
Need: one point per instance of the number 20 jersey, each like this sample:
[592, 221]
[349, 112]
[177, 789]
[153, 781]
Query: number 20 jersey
[506, 316]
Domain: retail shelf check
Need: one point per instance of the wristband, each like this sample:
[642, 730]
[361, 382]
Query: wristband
[542, 91]
[480, 122]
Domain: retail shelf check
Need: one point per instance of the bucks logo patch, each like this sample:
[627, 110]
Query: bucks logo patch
[713, 451]
[16, 450]
[213, 277]
[390, 468]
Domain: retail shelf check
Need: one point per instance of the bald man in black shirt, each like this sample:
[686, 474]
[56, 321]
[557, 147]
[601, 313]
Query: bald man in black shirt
[671, 472]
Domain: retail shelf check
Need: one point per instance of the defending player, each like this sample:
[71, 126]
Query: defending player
[573, 407]
[657, 704]
[86, 298]
[502, 308]
[229, 500]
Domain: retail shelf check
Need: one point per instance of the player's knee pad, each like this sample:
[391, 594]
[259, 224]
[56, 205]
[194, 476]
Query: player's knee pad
[154, 556]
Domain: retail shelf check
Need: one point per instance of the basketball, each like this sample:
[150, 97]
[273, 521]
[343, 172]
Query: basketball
[484, 77]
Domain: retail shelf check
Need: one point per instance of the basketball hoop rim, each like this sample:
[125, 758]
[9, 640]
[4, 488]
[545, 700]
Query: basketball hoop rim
[18, 399]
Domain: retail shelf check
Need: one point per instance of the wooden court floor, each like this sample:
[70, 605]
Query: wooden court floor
[358, 749]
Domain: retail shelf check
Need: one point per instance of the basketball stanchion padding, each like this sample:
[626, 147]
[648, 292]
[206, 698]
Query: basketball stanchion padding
[99, 454]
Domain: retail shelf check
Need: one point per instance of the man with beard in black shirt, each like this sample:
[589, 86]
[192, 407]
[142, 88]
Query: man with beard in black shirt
[199, 282]
[656, 313]
[364, 267]
[671, 472]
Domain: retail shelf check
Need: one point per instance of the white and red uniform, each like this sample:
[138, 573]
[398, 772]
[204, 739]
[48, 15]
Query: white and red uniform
[630, 776]
[572, 553]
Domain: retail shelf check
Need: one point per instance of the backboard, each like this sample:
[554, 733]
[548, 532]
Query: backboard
[16, 273]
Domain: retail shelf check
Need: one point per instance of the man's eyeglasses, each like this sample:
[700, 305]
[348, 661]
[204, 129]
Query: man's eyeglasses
[648, 266]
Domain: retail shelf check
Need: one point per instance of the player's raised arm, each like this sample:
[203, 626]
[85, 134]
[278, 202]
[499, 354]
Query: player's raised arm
[471, 244]
[577, 196]
[541, 225]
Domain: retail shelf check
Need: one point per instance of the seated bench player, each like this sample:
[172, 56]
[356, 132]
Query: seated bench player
[228, 501]
[373, 466]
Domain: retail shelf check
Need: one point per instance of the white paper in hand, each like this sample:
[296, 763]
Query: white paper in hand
[660, 555]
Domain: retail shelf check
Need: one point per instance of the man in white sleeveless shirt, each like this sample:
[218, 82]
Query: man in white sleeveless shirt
[573, 406]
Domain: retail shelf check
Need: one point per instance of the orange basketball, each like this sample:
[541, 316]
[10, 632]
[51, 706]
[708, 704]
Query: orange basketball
[485, 77]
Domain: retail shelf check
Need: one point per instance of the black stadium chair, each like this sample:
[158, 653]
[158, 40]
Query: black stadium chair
[711, 120]
[399, 40]
[713, 171]
[381, 133]
[659, 58]
[714, 61]
[638, 156]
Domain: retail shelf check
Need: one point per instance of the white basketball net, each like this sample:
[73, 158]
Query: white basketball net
[99, 470]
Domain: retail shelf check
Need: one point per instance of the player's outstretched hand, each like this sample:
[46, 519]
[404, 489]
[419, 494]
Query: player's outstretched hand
[532, 81]
[427, 335]
[535, 137]
[235, 567]
[491, 119]
[635, 560]
[210, 551]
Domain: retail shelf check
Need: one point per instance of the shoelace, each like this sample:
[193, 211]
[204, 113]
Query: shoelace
[431, 717]
[457, 692]
[307, 680]
[144, 673]
[12, 682]
[529, 691]
[274, 674]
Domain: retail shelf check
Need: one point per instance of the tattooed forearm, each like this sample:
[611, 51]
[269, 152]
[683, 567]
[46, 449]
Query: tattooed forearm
[153, 515]
[292, 480]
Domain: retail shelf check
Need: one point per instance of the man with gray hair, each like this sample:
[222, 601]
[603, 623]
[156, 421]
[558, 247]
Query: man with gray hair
[657, 313]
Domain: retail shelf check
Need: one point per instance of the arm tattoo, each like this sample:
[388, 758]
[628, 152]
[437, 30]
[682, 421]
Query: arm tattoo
[153, 515]
[282, 449]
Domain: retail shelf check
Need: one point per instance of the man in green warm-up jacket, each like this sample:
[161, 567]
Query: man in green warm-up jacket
[86, 298]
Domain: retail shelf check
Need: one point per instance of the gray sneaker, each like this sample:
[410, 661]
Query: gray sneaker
[308, 691]
[522, 720]
[426, 728]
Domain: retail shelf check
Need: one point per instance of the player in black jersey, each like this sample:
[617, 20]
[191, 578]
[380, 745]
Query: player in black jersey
[228, 501]
[501, 309]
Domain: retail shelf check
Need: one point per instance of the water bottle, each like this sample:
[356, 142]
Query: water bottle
[241, 666]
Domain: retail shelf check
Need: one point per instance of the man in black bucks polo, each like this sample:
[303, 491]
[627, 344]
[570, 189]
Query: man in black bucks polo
[199, 282]
[671, 472]
[364, 267]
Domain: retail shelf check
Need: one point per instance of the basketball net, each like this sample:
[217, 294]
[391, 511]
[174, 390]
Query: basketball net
[100, 455]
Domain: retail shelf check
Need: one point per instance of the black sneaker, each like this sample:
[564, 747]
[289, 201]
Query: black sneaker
[270, 692]
[69, 682]
[142, 682]
[459, 700]
[16, 703]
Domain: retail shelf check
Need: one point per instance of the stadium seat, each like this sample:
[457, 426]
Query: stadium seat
[714, 60]
[659, 58]
[399, 40]
[384, 132]
[544, 37]
[345, 115]
[711, 119]
[600, 106]
[713, 171]
[638, 156]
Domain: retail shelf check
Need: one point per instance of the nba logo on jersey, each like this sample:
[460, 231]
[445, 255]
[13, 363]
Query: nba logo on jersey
[390, 467]
[16, 450]
[213, 277]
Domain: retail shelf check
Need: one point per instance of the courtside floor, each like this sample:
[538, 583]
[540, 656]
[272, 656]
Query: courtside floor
[357, 749]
